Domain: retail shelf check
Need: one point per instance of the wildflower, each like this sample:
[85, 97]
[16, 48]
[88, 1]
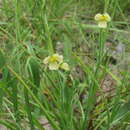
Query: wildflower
[55, 62]
[102, 19]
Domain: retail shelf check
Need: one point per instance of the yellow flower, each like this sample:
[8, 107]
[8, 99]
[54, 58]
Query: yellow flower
[102, 19]
[65, 66]
[53, 61]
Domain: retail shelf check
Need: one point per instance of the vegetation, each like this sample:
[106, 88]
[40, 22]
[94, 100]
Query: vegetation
[91, 92]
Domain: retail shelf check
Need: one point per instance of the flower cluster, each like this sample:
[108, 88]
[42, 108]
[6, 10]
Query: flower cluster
[102, 19]
[56, 62]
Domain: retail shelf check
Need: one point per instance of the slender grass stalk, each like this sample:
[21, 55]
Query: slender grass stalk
[114, 8]
[15, 101]
[106, 5]
[28, 109]
[17, 15]
[48, 34]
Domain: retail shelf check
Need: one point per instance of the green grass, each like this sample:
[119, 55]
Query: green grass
[31, 30]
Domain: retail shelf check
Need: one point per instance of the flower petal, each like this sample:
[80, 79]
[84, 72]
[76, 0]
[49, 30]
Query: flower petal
[102, 24]
[54, 66]
[65, 66]
[46, 60]
[108, 18]
[98, 17]
[59, 58]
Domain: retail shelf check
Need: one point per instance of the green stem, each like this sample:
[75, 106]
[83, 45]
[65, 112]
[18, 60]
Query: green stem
[17, 15]
[106, 5]
[15, 101]
[49, 41]
[28, 108]
[100, 52]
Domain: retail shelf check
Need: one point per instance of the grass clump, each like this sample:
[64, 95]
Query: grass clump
[89, 89]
